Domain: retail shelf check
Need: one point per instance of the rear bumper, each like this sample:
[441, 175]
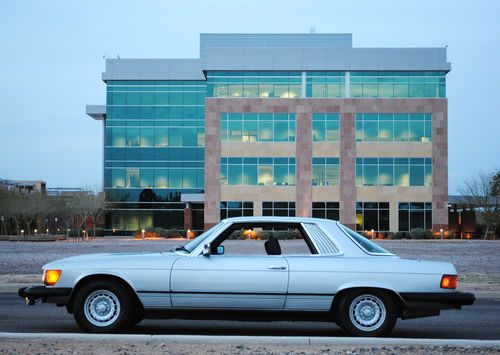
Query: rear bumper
[423, 304]
[31, 294]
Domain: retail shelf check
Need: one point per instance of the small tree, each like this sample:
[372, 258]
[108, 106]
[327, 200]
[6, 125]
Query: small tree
[482, 192]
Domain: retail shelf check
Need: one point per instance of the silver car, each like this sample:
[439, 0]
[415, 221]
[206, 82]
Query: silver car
[254, 268]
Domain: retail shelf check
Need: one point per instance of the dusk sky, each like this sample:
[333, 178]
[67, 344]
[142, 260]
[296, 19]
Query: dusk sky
[51, 60]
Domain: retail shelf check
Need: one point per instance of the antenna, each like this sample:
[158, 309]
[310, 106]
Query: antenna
[312, 30]
[118, 56]
[444, 44]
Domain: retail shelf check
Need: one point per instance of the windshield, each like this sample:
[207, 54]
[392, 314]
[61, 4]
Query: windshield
[189, 247]
[364, 243]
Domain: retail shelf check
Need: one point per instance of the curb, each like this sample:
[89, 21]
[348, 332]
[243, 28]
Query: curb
[237, 340]
[13, 288]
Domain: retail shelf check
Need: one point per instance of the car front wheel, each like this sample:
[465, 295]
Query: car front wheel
[102, 307]
[367, 313]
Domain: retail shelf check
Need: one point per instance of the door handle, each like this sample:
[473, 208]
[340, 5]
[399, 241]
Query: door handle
[276, 267]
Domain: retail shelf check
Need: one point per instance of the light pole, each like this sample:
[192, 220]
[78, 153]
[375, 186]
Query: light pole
[373, 232]
[55, 222]
[441, 232]
[143, 232]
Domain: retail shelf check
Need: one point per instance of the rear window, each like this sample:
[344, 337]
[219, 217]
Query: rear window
[366, 244]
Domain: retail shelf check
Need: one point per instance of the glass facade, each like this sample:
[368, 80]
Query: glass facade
[154, 150]
[258, 171]
[325, 127]
[393, 171]
[372, 215]
[325, 84]
[325, 171]
[415, 215]
[279, 209]
[393, 127]
[398, 84]
[230, 209]
[328, 210]
[263, 84]
[257, 127]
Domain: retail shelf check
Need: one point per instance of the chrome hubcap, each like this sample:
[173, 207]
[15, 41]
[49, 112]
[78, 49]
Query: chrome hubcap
[102, 308]
[367, 312]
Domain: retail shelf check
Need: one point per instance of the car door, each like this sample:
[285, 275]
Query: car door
[231, 282]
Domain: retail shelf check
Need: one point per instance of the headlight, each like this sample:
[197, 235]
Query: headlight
[50, 277]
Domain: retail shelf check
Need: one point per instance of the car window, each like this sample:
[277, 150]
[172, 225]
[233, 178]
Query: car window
[364, 243]
[198, 240]
[263, 240]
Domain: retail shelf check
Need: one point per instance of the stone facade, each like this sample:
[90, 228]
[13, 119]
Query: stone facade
[347, 149]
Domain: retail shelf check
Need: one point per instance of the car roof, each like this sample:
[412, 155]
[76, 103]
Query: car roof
[278, 219]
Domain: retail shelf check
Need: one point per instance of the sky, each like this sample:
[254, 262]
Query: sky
[51, 60]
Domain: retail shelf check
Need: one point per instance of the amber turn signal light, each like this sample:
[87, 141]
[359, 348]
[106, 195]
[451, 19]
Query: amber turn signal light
[51, 277]
[449, 281]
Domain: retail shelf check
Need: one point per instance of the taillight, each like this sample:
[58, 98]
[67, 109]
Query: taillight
[449, 281]
[51, 277]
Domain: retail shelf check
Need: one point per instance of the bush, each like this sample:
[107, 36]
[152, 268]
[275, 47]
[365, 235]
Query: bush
[429, 234]
[417, 233]
[152, 233]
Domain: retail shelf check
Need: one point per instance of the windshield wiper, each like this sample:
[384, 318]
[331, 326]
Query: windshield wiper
[180, 247]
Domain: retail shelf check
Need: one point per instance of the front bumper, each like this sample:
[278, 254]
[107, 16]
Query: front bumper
[423, 304]
[58, 295]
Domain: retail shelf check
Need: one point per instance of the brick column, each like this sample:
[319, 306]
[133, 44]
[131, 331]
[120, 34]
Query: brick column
[348, 164]
[212, 163]
[303, 153]
[440, 164]
[188, 217]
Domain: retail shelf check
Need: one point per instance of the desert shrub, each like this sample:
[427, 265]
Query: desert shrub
[417, 233]
[429, 234]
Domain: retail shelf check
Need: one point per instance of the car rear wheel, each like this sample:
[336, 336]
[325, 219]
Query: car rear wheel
[102, 307]
[367, 313]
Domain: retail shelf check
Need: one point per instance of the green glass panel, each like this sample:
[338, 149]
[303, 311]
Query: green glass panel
[370, 175]
[318, 131]
[401, 131]
[250, 174]
[385, 132]
[401, 175]
[370, 131]
[280, 131]
[356, 90]
[417, 133]
[133, 137]
[265, 131]
[359, 175]
[175, 178]
[118, 138]
[385, 177]
[428, 131]
[318, 175]
[147, 178]
[147, 137]
[291, 131]
[359, 131]
[161, 178]
[332, 131]
[175, 137]
[132, 178]
[332, 174]
[223, 174]
[265, 175]
[281, 174]
[189, 178]
[118, 178]
[417, 175]
[428, 175]
[235, 176]
[250, 131]
[189, 137]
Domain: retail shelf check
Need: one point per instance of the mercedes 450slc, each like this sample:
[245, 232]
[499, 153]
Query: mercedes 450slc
[254, 268]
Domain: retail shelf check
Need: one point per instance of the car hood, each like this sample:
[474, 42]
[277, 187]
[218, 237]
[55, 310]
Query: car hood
[116, 260]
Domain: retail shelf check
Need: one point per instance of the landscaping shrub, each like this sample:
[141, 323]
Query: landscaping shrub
[417, 233]
[429, 234]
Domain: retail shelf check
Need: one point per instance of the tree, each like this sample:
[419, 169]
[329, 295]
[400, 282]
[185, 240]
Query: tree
[481, 191]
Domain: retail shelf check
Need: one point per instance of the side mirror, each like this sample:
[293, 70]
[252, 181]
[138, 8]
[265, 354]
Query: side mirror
[206, 250]
[220, 250]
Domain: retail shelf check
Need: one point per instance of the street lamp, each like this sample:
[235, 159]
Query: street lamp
[36, 231]
[441, 232]
[22, 232]
[373, 232]
[47, 231]
[143, 234]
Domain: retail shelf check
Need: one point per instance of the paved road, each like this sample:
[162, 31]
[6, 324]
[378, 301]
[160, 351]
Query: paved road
[480, 321]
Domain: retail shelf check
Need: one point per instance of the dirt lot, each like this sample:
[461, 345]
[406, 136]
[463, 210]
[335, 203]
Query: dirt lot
[64, 347]
[478, 262]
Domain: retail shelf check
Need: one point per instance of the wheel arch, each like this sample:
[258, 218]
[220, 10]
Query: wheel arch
[103, 277]
[334, 308]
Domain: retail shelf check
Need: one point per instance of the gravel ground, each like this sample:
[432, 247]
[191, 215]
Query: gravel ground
[477, 261]
[64, 347]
